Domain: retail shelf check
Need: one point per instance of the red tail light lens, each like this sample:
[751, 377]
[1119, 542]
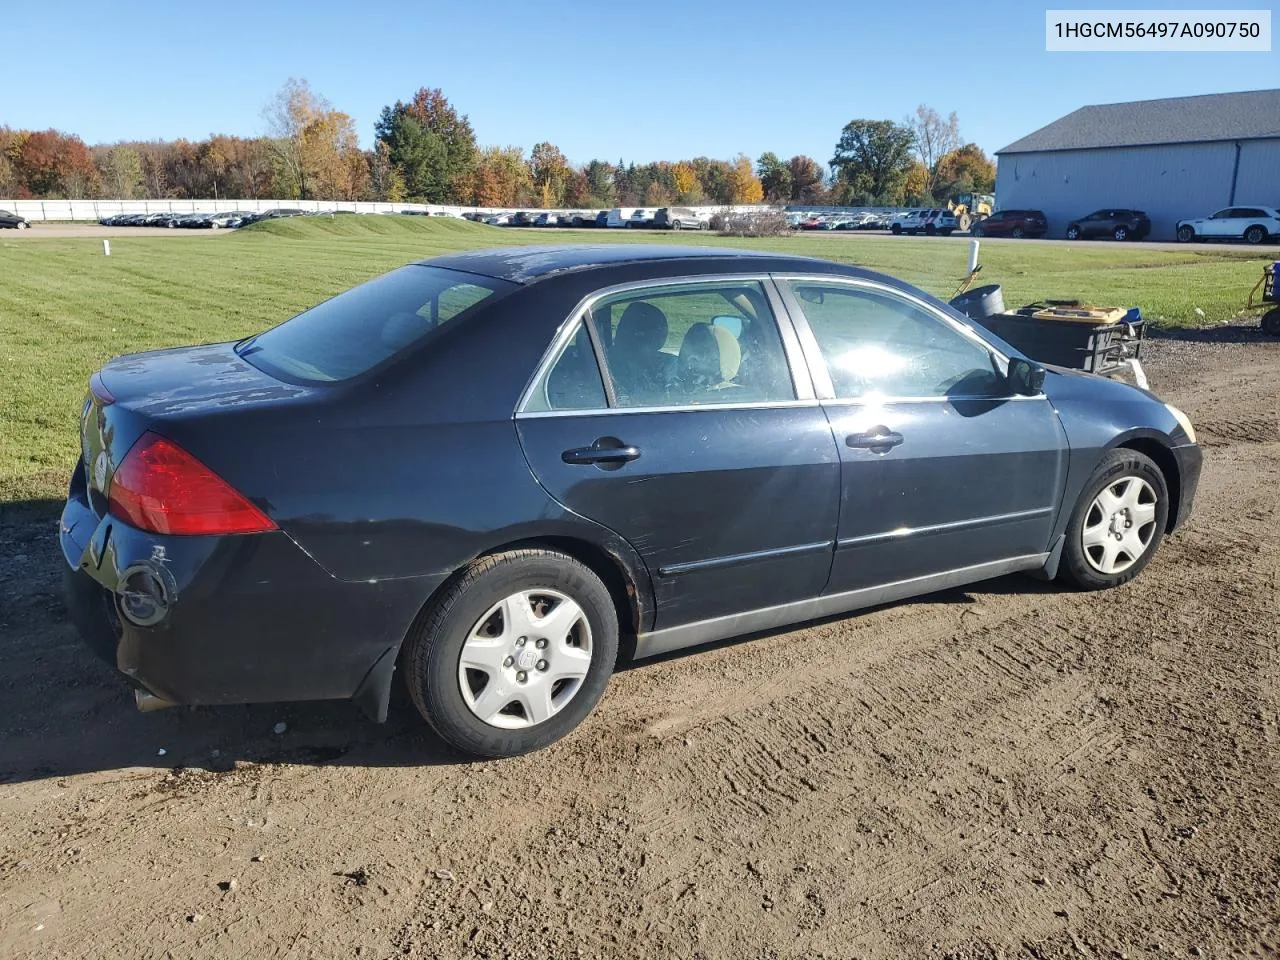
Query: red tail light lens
[161, 488]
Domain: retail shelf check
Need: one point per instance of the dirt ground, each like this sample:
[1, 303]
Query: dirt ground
[1009, 770]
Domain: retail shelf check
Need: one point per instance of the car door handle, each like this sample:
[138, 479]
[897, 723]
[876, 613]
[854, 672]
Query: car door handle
[604, 450]
[877, 439]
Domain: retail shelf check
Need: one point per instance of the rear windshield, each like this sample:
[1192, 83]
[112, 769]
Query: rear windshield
[357, 330]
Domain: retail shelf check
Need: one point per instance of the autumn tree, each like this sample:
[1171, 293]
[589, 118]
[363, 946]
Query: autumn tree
[122, 172]
[550, 171]
[934, 136]
[744, 185]
[500, 177]
[775, 177]
[915, 185]
[685, 180]
[966, 169]
[871, 161]
[443, 141]
[288, 114]
[806, 179]
[54, 164]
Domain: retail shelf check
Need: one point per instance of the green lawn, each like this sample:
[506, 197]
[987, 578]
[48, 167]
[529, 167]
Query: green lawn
[65, 308]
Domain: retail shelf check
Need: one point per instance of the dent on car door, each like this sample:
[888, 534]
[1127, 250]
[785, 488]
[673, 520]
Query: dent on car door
[698, 445]
[944, 469]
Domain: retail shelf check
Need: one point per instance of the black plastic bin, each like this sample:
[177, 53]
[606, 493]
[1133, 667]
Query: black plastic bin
[1096, 348]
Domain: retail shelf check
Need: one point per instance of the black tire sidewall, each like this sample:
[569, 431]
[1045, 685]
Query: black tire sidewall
[1258, 232]
[431, 666]
[1186, 234]
[1116, 465]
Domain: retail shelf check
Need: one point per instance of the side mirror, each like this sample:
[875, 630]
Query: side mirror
[1025, 378]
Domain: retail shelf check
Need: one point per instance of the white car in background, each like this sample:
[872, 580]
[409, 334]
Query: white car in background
[1250, 224]
[642, 217]
[909, 221]
[498, 220]
[620, 216]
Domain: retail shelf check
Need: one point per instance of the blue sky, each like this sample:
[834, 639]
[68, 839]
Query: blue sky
[642, 81]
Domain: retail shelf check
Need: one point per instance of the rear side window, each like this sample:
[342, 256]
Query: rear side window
[357, 330]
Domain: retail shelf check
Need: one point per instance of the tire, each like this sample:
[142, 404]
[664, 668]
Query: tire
[1016, 233]
[1134, 481]
[1073, 232]
[1186, 234]
[469, 611]
[1271, 322]
[896, 229]
[675, 224]
[22, 226]
[1255, 234]
[1121, 234]
[975, 230]
[930, 229]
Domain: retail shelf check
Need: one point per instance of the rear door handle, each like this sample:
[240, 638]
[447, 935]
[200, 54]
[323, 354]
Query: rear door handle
[607, 450]
[878, 439]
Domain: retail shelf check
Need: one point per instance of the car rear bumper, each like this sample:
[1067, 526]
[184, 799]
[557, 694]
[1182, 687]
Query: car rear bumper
[1190, 460]
[217, 620]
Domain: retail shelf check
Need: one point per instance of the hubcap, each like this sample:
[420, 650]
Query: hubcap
[525, 659]
[1120, 525]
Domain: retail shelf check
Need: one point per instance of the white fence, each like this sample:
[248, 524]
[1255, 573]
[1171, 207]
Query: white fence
[97, 209]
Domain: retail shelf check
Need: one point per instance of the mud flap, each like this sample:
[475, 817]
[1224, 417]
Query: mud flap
[1050, 569]
[373, 696]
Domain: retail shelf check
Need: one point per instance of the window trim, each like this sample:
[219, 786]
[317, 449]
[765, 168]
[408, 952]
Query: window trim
[818, 363]
[797, 365]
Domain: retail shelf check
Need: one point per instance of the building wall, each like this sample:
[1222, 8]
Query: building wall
[1169, 182]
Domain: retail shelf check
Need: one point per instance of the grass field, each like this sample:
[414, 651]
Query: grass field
[65, 308]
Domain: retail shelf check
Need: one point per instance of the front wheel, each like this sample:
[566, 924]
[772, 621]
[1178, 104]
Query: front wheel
[1117, 523]
[22, 226]
[1255, 234]
[675, 224]
[1017, 233]
[1271, 322]
[1073, 232]
[896, 229]
[1121, 233]
[514, 654]
[1186, 234]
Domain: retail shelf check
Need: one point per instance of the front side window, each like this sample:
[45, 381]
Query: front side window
[355, 331]
[878, 345]
[671, 346]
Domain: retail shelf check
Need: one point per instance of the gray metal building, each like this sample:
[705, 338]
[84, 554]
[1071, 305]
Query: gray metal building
[1176, 158]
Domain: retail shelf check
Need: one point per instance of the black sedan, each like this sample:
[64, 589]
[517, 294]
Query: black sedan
[492, 471]
[15, 221]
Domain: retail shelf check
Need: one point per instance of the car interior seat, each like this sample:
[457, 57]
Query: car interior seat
[641, 369]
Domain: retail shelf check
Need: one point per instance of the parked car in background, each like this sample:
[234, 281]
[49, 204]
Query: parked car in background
[1114, 222]
[1012, 223]
[620, 216]
[13, 221]
[811, 222]
[240, 528]
[580, 218]
[1250, 224]
[547, 220]
[602, 219]
[940, 221]
[522, 218]
[680, 218]
[642, 217]
[498, 219]
[908, 221]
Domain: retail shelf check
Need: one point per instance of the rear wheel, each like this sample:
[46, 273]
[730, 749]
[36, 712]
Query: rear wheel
[1255, 234]
[896, 229]
[1186, 234]
[1073, 232]
[22, 226]
[1017, 234]
[1271, 322]
[514, 653]
[1116, 526]
[675, 224]
[1121, 233]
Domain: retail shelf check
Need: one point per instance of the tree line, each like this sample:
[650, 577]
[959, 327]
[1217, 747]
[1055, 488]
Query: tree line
[426, 151]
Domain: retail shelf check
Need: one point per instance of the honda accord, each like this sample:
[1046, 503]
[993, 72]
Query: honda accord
[491, 474]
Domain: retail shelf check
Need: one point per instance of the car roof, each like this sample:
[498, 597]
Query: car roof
[528, 264]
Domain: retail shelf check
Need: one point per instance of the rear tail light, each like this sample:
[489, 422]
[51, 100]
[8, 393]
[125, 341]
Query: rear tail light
[161, 488]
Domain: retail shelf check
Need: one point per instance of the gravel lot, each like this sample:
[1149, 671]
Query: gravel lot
[1009, 770]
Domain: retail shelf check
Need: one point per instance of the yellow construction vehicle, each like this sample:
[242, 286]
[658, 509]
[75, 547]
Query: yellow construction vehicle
[969, 208]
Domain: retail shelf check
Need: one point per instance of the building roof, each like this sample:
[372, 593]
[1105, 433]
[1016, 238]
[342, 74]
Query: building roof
[526, 264]
[1251, 115]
